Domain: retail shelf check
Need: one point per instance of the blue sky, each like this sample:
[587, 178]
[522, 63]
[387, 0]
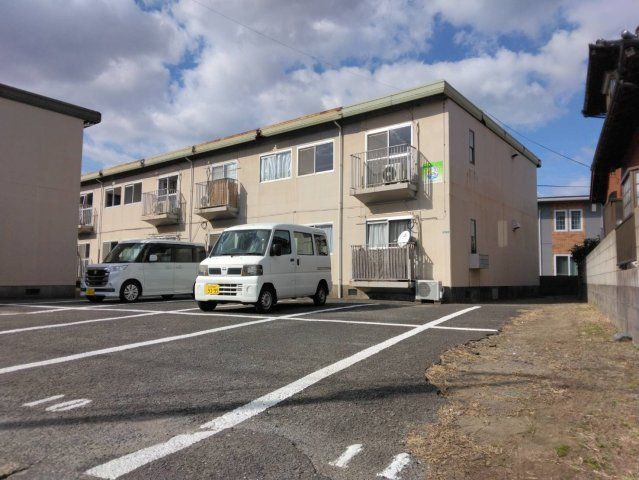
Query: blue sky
[166, 74]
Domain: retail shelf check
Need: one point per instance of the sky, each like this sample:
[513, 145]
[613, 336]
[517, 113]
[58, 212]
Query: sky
[168, 74]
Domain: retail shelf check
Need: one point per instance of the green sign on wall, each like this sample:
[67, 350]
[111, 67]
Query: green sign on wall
[433, 172]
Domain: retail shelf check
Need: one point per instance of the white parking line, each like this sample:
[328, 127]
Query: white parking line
[347, 456]
[58, 325]
[42, 400]
[69, 405]
[123, 465]
[468, 329]
[355, 322]
[397, 465]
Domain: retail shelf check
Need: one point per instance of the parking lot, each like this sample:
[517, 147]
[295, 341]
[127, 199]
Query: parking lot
[159, 389]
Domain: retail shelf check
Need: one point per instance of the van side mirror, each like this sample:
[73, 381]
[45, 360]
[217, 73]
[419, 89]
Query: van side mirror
[153, 258]
[276, 249]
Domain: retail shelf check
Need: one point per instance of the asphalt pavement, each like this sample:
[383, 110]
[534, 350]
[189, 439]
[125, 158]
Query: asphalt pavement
[158, 389]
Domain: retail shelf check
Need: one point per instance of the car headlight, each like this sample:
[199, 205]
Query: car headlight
[117, 268]
[252, 270]
[203, 270]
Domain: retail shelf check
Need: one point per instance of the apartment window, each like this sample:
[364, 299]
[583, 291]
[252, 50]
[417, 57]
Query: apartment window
[315, 159]
[106, 248]
[575, 220]
[168, 185]
[275, 166]
[133, 193]
[328, 230]
[565, 265]
[86, 199]
[630, 192]
[473, 236]
[560, 221]
[321, 246]
[83, 250]
[380, 233]
[388, 140]
[226, 170]
[112, 197]
[303, 243]
[471, 146]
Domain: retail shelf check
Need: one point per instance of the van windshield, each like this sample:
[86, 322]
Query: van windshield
[124, 253]
[242, 242]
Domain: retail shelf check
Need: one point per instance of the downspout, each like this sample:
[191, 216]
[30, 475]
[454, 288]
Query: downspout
[190, 202]
[340, 212]
[539, 236]
[100, 220]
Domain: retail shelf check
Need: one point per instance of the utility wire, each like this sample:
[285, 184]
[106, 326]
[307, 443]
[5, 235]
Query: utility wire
[321, 60]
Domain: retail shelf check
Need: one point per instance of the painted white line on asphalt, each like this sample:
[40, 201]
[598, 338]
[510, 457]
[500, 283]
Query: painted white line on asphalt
[356, 322]
[42, 400]
[347, 456]
[359, 305]
[69, 405]
[127, 463]
[468, 329]
[396, 466]
[58, 325]
[130, 346]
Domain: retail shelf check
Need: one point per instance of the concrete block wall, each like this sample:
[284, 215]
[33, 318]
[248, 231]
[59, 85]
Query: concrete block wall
[613, 291]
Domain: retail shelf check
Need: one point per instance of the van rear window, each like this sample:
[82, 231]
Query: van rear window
[321, 247]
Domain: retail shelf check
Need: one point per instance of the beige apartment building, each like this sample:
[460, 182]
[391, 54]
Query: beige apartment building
[40, 164]
[425, 160]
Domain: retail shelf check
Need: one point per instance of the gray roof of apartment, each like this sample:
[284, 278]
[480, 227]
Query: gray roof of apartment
[568, 198]
[90, 117]
[440, 88]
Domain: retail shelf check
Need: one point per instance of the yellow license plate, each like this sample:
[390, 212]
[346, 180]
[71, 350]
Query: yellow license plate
[90, 291]
[211, 289]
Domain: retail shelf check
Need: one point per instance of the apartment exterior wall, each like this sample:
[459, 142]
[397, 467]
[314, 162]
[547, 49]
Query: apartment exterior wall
[554, 242]
[40, 155]
[497, 190]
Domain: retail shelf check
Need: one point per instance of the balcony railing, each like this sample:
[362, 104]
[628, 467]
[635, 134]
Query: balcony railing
[161, 202]
[86, 217]
[389, 263]
[384, 166]
[217, 193]
[626, 239]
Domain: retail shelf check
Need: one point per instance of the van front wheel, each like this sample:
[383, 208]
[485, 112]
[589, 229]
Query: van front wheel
[319, 298]
[266, 300]
[207, 306]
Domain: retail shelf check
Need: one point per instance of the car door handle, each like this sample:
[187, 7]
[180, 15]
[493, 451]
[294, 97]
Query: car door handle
[298, 261]
[292, 259]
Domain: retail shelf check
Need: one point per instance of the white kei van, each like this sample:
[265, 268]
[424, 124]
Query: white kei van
[260, 264]
[144, 267]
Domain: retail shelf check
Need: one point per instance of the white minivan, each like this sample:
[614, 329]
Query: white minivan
[262, 263]
[144, 267]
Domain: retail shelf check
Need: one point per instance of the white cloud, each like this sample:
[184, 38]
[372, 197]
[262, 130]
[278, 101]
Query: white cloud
[178, 73]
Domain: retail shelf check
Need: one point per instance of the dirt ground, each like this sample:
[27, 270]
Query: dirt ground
[551, 397]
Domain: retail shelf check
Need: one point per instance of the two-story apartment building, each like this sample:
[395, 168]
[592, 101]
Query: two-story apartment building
[563, 223]
[612, 92]
[425, 160]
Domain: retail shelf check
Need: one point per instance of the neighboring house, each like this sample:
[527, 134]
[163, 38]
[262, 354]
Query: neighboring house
[40, 165]
[424, 160]
[612, 91]
[564, 222]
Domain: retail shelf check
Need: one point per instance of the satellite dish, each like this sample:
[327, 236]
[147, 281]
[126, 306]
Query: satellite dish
[404, 239]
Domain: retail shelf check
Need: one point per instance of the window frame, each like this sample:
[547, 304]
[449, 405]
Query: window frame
[471, 146]
[103, 255]
[312, 244]
[570, 261]
[112, 189]
[132, 185]
[388, 129]
[324, 224]
[275, 152]
[581, 220]
[566, 220]
[85, 195]
[223, 165]
[309, 145]
[631, 175]
[473, 236]
[387, 222]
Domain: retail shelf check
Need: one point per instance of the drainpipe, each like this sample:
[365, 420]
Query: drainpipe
[100, 220]
[190, 201]
[539, 236]
[340, 209]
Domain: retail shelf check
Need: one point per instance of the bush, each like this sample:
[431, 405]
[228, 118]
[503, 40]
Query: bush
[580, 251]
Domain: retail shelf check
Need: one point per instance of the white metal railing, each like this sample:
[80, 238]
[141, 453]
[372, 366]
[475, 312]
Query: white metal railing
[217, 193]
[388, 262]
[86, 217]
[384, 166]
[160, 202]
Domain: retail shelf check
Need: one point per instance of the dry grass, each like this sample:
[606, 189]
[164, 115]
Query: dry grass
[551, 397]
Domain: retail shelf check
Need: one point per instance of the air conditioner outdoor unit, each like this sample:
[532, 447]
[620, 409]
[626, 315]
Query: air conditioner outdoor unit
[390, 174]
[428, 290]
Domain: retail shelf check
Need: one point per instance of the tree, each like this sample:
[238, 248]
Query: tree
[580, 251]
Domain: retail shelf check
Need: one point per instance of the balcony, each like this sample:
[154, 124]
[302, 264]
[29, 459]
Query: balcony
[86, 220]
[161, 207]
[217, 199]
[626, 239]
[388, 266]
[385, 174]
[612, 214]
